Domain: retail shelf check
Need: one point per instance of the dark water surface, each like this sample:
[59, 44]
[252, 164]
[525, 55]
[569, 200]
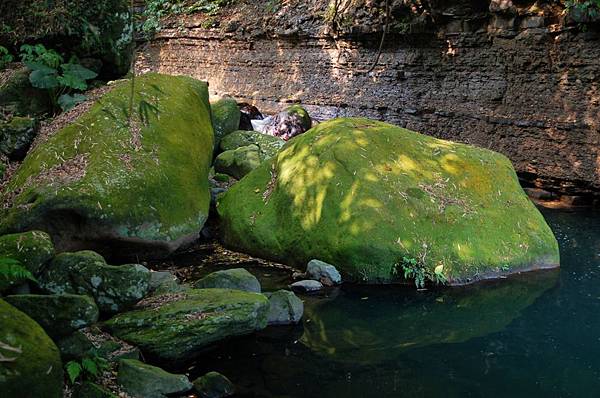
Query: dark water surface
[537, 335]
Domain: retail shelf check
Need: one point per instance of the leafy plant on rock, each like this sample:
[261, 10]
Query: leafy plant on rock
[63, 81]
[413, 268]
[13, 272]
[5, 57]
[88, 368]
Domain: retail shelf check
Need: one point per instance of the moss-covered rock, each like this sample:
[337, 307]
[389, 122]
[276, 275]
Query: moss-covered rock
[239, 162]
[293, 121]
[145, 381]
[34, 368]
[214, 385]
[226, 118]
[16, 136]
[19, 97]
[92, 390]
[370, 197]
[176, 327]
[92, 341]
[236, 278]
[139, 189]
[267, 144]
[114, 288]
[59, 315]
[32, 249]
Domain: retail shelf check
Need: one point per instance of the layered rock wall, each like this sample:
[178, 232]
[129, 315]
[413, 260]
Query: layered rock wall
[520, 82]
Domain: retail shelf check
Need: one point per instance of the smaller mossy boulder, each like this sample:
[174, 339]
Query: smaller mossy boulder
[16, 137]
[214, 385]
[114, 288]
[177, 327]
[293, 121]
[59, 314]
[31, 365]
[239, 162]
[32, 249]
[226, 118]
[141, 380]
[236, 278]
[130, 188]
[268, 145]
[19, 97]
[381, 202]
[325, 273]
[285, 308]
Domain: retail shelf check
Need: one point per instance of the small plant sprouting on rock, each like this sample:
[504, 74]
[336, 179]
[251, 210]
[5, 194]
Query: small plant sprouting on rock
[88, 368]
[413, 268]
[12, 271]
[5, 57]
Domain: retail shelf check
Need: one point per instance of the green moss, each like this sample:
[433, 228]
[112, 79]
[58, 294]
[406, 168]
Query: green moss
[361, 195]
[302, 114]
[32, 249]
[268, 144]
[226, 117]
[142, 380]
[238, 162]
[59, 315]
[37, 369]
[176, 327]
[148, 182]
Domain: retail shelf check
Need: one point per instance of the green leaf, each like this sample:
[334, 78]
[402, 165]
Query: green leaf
[74, 370]
[12, 271]
[72, 81]
[78, 71]
[89, 365]
[42, 76]
[68, 101]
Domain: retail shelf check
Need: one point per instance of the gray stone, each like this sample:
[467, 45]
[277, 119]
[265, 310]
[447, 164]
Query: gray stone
[114, 288]
[307, 286]
[285, 308]
[325, 273]
[214, 385]
[59, 315]
[236, 278]
[145, 381]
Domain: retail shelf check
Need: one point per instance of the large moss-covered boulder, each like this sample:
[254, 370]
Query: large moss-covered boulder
[176, 327]
[114, 288]
[146, 381]
[33, 249]
[226, 117]
[16, 135]
[31, 365]
[373, 199]
[131, 189]
[59, 315]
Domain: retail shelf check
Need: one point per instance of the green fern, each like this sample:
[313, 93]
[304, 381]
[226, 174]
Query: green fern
[89, 368]
[12, 272]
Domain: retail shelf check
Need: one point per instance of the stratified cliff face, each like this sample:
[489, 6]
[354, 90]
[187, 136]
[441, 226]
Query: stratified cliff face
[520, 79]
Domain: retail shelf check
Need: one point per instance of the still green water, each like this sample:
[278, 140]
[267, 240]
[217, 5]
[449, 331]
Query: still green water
[536, 335]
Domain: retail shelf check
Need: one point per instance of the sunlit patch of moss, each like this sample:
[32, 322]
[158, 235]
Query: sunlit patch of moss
[427, 193]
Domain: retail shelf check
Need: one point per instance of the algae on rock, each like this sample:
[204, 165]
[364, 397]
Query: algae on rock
[34, 368]
[364, 195]
[137, 187]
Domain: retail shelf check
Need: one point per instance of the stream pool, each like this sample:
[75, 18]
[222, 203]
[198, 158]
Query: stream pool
[536, 335]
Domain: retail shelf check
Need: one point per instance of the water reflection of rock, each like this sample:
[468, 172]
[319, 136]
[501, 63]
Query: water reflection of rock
[360, 329]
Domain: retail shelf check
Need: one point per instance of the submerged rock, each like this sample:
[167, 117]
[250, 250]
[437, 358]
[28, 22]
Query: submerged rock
[306, 286]
[285, 308]
[236, 278]
[125, 189]
[226, 118]
[325, 273]
[60, 314]
[176, 327]
[32, 249]
[374, 198]
[115, 288]
[145, 381]
[214, 385]
[294, 121]
[30, 365]
[16, 136]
